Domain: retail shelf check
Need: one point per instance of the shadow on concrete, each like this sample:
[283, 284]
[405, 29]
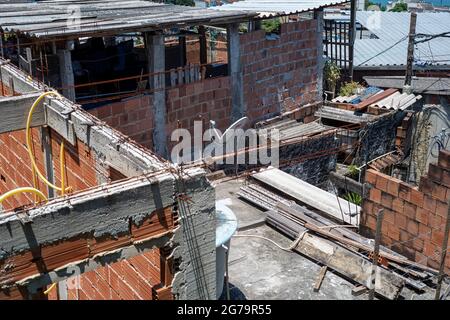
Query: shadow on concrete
[235, 293]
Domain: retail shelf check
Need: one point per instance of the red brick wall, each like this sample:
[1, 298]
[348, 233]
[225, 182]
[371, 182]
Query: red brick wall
[207, 99]
[414, 218]
[132, 279]
[286, 66]
[15, 165]
[132, 116]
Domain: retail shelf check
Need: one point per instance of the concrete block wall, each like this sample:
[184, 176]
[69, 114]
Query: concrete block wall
[274, 70]
[414, 217]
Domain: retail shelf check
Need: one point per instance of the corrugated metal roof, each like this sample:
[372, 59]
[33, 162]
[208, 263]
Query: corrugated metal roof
[392, 27]
[389, 46]
[395, 101]
[269, 8]
[82, 18]
[424, 85]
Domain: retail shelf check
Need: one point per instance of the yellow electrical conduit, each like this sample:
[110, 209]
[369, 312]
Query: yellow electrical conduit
[34, 167]
[13, 192]
[61, 189]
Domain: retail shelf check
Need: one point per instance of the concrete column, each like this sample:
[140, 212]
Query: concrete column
[203, 46]
[318, 15]
[156, 67]
[66, 72]
[238, 109]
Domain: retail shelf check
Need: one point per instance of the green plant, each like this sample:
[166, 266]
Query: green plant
[399, 7]
[349, 88]
[332, 73]
[271, 25]
[353, 170]
[353, 198]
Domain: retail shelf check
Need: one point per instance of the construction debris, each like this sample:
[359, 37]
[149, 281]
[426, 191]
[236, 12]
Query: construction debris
[328, 240]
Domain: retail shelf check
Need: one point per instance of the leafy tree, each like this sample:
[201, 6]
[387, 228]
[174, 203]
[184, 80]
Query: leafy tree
[271, 25]
[399, 7]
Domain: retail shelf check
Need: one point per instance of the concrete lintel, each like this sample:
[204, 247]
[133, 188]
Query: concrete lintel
[38, 281]
[14, 112]
[104, 211]
[21, 81]
[110, 145]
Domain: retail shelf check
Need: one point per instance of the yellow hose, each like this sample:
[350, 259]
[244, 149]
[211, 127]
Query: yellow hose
[62, 166]
[13, 192]
[50, 289]
[29, 146]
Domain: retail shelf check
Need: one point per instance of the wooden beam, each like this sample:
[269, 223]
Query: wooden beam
[14, 112]
[320, 278]
[344, 261]
[346, 183]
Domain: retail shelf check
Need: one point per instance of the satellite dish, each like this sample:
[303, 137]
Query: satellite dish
[222, 138]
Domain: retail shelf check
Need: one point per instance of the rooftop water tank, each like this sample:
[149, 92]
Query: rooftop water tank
[226, 225]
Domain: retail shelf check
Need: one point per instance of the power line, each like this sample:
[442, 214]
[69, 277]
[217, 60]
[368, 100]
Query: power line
[385, 50]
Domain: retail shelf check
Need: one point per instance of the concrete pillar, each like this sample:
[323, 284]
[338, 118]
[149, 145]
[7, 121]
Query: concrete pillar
[318, 15]
[238, 109]
[203, 46]
[182, 42]
[156, 67]
[66, 72]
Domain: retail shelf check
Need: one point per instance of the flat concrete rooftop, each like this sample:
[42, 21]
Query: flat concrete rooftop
[260, 270]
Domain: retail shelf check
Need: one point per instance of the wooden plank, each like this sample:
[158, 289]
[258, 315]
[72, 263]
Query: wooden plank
[343, 261]
[309, 194]
[14, 112]
[320, 278]
[368, 248]
[358, 290]
[347, 183]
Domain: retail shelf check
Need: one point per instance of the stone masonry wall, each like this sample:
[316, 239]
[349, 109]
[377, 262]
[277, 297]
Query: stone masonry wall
[414, 218]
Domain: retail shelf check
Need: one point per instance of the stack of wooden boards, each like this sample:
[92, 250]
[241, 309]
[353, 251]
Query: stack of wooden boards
[322, 238]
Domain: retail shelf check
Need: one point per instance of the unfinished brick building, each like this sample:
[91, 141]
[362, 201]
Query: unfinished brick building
[123, 232]
[147, 79]
[133, 225]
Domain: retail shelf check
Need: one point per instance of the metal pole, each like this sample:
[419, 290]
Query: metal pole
[443, 255]
[351, 36]
[410, 59]
[376, 251]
